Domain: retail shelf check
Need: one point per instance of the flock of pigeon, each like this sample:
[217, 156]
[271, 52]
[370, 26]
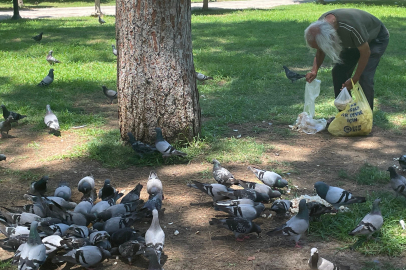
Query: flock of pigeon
[56, 229]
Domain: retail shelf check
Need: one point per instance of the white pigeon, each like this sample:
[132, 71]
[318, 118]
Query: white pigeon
[269, 178]
[86, 184]
[154, 185]
[371, 223]
[155, 236]
[114, 50]
[48, 79]
[52, 60]
[319, 263]
[202, 77]
[50, 119]
[32, 254]
[164, 147]
[336, 196]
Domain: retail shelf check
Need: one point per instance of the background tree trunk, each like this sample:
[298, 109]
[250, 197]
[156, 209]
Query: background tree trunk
[16, 13]
[205, 4]
[97, 8]
[156, 81]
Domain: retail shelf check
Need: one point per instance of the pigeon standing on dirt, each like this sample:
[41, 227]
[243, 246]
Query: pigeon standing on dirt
[38, 37]
[48, 79]
[261, 188]
[7, 113]
[63, 191]
[293, 76]
[371, 223]
[202, 77]
[107, 190]
[269, 178]
[2, 157]
[402, 162]
[247, 211]
[52, 60]
[153, 259]
[5, 126]
[239, 226]
[295, 226]
[50, 119]
[336, 196]
[133, 195]
[316, 262]
[32, 254]
[154, 185]
[86, 256]
[222, 175]
[86, 184]
[139, 147]
[210, 189]
[164, 147]
[101, 21]
[155, 236]
[40, 186]
[110, 94]
[281, 207]
[398, 182]
[114, 50]
[245, 194]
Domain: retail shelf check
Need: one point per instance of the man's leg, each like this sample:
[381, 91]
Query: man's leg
[342, 72]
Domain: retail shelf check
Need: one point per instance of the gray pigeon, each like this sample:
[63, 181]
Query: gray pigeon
[336, 196]
[164, 147]
[101, 21]
[155, 236]
[153, 259]
[115, 224]
[118, 210]
[38, 37]
[55, 229]
[260, 188]
[245, 194]
[52, 60]
[63, 191]
[101, 206]
[131, 248]
[48, 79]
[33, 253]
[84, 207]
[86, 256]
[211, 190]
[5, 126]
[295, 226]
[7, 113]
[281, 207]
[154, 185]
[402, 162]
[239, 226]
[139, 147]
[133, 195]
[50, 119]
[316, 262]
[247, 211]
[86, 184]
[371, 223]
[202, 77]
[293, 76]
[114, 50]
[52, 243]
[269, 178]
[222, 175]
[78, 231]
[110, 94]
[62, 202]
[397, 182]
[153, 203]
[2, 157]
[98, 236]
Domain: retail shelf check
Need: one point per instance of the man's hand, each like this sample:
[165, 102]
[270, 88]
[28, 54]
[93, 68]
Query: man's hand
[311, 76]
[347, 84]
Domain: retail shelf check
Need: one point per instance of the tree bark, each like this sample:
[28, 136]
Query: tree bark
[205, 4]
[97, 8]
[156, 81]
[16, 14]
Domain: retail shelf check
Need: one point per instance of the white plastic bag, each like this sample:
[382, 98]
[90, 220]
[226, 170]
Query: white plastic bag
[305, 121]
[343, 99]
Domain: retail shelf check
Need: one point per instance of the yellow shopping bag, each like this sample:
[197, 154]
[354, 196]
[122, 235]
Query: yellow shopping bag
[356, 119]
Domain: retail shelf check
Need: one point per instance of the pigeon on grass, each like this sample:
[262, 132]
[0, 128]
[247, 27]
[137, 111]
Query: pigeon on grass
[371, 223]
[239, 226]
[164, 147]
[402, 162]
[397, 182]
[293, 76]
[295, 226]
[38, 37]
[317, 209]
[114, 50]
[202, 77]
[5, 126]
[101, 21]
[7, 113]
[110, 94]
[52, 60]
[48, 79]
[222, 175]
[316, 262]
[269, 178]
[51, 120]
[336, 196]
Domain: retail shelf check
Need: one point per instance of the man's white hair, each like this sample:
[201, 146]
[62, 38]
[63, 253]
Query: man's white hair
[326, 38]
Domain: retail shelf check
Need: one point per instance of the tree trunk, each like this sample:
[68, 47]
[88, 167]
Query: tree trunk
[97, 8]
[205, 4]
[16, 14]
[156, 81]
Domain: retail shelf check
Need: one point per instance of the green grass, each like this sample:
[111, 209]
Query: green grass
[8, 4]
[366, 175]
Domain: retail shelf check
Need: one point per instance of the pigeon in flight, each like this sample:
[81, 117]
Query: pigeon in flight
[51, 60]
[202, 77]
[2, 157]
[222, 175]
[164, 147]
[139, 147]
[38, 37]
[336, 196]
[114, 50]
[110, 94]
[48, 79]
[50, 119]
[5, 126]
[101, 21]
[397, 181]
[238, 225]
[295, 226]
[402, 162]
[316, 262]
[371, 223]
[269, 178]
[7, 113]
[293, 76]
